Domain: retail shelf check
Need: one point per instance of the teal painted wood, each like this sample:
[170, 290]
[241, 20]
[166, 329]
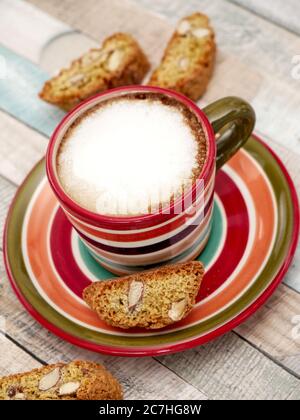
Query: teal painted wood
[20, 82]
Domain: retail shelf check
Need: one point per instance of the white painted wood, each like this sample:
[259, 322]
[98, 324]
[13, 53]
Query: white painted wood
[99, 19]
[13, 359]
[275, 328]
[20, 148]
[228, 368]
[38, 36]
[7, 191]
[284, 13]
[18, 18]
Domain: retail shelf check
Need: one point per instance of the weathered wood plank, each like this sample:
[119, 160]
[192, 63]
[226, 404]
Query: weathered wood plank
[7, 191]
[108, 16]
[227, 368]
[285, 14]
[231, 369]
[38, 36]
[142, 378]
[17, 18]
[13, 359]
[20, 148]
[275, 328]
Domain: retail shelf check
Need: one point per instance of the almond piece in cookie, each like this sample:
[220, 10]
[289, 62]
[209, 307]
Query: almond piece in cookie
[150, 299]
[177, 310]
[69, 388]
[135, 294]
[183, 27]
[20, 396]
[115, 60]
[50, 380]
[193, 39]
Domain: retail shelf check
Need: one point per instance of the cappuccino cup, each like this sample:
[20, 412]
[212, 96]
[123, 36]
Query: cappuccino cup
[134, 172]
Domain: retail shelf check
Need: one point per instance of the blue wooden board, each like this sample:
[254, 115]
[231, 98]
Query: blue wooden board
[20, 82]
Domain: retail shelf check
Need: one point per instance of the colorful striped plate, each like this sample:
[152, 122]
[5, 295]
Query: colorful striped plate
[254, 235]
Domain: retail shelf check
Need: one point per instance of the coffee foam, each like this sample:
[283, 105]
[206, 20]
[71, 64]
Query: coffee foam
[128, 156]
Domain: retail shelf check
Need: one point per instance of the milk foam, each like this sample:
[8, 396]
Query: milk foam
[126, 156]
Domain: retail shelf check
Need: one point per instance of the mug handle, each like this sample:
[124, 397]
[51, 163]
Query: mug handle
[233, 121]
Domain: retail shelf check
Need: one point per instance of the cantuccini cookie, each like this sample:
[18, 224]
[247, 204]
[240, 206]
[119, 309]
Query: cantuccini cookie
[150, 299]
[120, 61]
[77, 380]
[188, 61]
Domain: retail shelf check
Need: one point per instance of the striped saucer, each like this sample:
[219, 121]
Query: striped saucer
[254, 235]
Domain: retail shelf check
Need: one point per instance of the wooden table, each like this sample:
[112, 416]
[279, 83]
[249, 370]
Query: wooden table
[258, 47]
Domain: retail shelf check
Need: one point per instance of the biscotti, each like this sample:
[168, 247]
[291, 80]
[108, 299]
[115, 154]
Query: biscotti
[149, 299]
[188, 61]
[78, 380]
[120, 61]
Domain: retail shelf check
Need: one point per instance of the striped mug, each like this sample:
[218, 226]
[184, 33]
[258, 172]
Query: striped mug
[124, 244]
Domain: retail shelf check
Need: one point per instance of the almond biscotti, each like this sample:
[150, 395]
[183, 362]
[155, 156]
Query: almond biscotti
[150, 299]
[78, 380]
[120, 61]
[188, 61]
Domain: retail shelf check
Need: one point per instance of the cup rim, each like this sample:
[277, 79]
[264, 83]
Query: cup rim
[103, 219]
